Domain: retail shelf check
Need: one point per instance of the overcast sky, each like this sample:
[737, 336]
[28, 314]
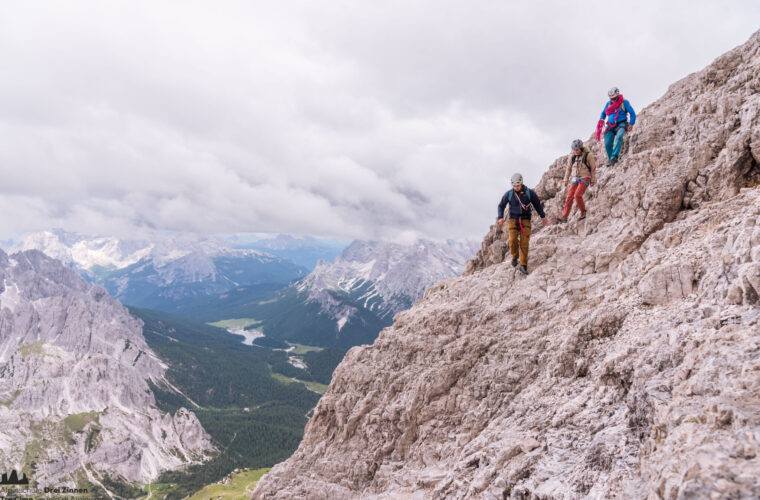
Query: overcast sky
[331, 118]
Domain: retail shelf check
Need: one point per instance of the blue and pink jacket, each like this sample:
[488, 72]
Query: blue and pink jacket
[621, 115]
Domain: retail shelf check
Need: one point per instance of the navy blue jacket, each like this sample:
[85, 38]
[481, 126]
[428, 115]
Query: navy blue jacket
[516, 210]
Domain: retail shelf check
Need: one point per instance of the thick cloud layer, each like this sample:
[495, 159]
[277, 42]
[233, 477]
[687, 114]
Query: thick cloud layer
[348, 119]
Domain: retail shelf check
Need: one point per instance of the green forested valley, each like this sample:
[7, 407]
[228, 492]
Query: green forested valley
[250, 399]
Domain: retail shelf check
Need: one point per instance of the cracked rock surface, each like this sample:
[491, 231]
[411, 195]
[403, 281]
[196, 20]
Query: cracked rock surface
[625, 365]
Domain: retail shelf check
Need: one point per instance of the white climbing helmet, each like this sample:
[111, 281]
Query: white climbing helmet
[613, 93]
[517, 179]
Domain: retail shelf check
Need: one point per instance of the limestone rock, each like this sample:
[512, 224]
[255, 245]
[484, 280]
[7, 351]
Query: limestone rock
[666, 282]
[630, 354]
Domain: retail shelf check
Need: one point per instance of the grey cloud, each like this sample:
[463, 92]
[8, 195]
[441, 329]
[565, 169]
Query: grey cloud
[349, 119]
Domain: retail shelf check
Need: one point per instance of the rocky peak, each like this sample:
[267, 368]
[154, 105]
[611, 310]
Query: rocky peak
[74, 367]
[624, 366]
[385, 276]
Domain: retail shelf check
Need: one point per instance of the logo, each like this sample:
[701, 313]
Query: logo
[22, 491]
[14, 479]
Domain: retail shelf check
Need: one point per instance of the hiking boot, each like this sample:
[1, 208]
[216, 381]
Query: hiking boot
[523, 269]
[583, 216]
[613, 161]
[514, 262]
[561, 220]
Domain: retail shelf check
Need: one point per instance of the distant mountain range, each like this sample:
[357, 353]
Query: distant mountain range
[346, 302]
[166, 273]
[384, 277]
[92, 255]
[358, 294]
[303, 250]
[341, 303]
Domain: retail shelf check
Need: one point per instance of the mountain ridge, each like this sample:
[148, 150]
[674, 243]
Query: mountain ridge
[166, 273]
[75, 367]
[396, 274]
[624, 365]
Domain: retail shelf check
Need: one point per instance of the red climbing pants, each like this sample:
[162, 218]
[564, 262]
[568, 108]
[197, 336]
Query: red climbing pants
[575, 193]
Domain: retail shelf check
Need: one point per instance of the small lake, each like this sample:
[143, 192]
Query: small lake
[297, 362]
[250, 335]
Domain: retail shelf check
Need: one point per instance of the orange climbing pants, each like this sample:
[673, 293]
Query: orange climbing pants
[575, 193]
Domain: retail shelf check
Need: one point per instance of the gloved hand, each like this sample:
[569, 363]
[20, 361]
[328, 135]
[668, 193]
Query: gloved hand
[629, 128]
[599, 127]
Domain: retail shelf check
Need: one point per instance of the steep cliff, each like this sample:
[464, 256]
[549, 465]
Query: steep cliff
[75, 403]
[627, 364]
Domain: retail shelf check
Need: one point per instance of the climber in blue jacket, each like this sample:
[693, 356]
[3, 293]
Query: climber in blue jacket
[616, 114]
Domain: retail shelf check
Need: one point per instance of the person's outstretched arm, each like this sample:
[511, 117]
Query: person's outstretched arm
[502, 206]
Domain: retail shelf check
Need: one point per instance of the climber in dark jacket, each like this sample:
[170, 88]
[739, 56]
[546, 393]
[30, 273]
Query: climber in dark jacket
[519, 199]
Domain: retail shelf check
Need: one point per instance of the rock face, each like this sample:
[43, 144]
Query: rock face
[74, 396]
[626, 365]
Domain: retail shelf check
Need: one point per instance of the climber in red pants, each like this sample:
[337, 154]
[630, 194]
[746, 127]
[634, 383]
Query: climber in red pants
[581, 167]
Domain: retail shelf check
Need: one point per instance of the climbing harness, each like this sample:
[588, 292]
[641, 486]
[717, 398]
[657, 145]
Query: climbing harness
[584, 160]
[525, 208]
[613, 128]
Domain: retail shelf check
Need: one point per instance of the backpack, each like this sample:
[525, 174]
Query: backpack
[584, 159]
